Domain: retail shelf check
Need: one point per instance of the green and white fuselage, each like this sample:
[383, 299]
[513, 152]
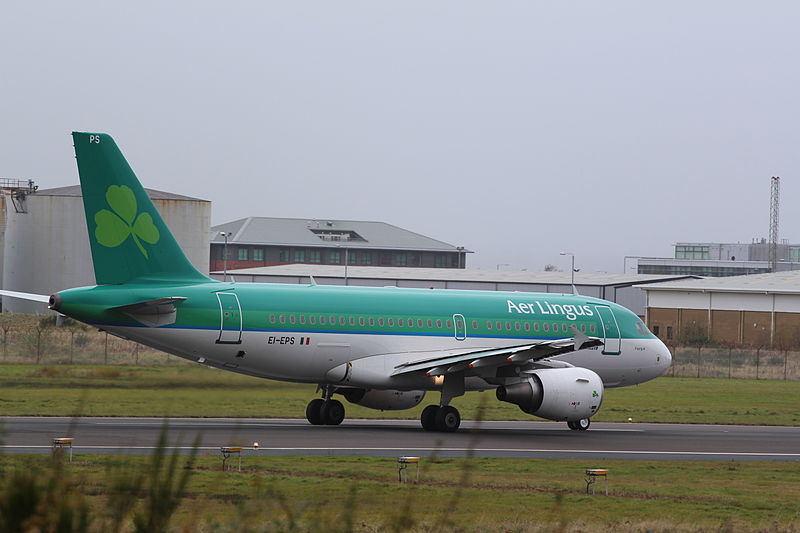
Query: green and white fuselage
[303, 333]
[552, 355]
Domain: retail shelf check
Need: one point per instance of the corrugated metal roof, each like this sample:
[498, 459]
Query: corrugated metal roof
[304, 232]
[454, 274]
[75, 190]
[777, 282]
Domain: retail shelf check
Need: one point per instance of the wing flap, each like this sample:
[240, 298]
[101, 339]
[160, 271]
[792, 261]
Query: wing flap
[448, 363]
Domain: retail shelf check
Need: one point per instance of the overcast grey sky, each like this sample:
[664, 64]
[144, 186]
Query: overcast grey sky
[516, 129]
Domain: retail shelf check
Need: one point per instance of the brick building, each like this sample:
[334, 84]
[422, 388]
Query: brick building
[755, 310]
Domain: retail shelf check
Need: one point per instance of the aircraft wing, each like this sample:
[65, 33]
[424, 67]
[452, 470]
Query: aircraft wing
[447, 363]
[27, 296]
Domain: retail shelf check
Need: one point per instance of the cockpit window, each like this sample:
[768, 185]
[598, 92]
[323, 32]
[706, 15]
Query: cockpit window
[641, 328]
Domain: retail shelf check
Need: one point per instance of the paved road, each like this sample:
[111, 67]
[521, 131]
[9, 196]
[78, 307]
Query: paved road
[394, 438]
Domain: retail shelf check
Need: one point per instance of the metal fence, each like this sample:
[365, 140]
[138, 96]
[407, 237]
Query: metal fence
[734, 363]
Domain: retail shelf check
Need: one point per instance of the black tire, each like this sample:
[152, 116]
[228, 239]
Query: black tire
[448, 419]
[572, 424]
[583, 424]
[428, 417]
[313, 411]
[332, 412]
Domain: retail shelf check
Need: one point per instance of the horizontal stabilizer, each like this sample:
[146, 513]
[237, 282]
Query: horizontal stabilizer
[27, 296]
[153, 313]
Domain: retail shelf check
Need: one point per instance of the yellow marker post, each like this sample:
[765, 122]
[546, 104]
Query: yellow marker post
[402, 468]
[591, 478]
[227, 451]
[63, 442]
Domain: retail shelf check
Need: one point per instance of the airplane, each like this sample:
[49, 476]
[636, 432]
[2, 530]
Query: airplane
[553, 355]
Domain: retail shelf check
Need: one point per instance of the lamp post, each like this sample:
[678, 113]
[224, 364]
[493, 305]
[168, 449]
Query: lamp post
[572, 269]
[225, 235]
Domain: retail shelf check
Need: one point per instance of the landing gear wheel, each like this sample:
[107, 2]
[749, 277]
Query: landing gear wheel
[583, 424]
[428, 417]
[313, 411]
[448, 419]
[332, 412]
[571, 424]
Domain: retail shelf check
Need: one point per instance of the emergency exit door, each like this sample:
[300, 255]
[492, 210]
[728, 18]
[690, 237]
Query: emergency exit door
[230, 318]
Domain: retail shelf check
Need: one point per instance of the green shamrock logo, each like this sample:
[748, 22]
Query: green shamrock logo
[114, 228]
[594, 394]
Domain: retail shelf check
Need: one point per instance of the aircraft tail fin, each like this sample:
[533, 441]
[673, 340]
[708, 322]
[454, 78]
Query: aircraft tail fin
[128, 237]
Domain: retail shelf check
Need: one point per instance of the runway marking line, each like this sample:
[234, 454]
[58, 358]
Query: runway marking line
[503, 450]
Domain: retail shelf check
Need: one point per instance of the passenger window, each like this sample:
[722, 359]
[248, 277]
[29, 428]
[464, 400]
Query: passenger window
[474, 324]
[361, 321]
[583, 328]
[291, 319]
[564, 328]
[535, 326]
[449, 324]
[371, 321]
[593, 329]
[439, 324]
[352, 321]
[546, 326]
[391, 322]
[419, 322]
[499, 326]
[321, 319]
[488, 324]
[312, 319]
[508, 326]
[341, 321]
[302, 319]
[517, 326]
[527, 326]
[380, 322]
[271, 319]
[430, 323]
[283, 319]
[401, 322]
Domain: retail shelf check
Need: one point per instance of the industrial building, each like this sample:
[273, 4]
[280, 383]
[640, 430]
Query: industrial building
[265, 241]
[623, 289]
[45, 244]
[757, 310]
[710, 259]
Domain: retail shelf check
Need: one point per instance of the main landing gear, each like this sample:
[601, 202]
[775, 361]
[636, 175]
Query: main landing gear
[445, 418]
[579, 425]
[326, 412]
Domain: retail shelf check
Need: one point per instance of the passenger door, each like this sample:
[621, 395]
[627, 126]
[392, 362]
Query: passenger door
[610, 331]
[230, 318]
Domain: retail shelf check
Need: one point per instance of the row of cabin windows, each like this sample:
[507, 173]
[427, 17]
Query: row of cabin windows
[420, 323]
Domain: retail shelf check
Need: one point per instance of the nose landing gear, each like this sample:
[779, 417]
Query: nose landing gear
[579, 425]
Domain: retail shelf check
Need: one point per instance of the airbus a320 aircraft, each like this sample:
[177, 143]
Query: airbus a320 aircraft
[382, 348]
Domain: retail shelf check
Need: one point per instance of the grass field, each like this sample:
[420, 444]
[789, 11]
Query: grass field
[197, 391]
[502, 495]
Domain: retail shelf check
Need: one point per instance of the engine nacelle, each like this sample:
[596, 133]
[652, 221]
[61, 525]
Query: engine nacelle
[384, 400]
[557, 393]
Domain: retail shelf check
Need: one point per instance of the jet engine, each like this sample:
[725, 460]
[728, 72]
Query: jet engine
[556, 393]
[384, 400]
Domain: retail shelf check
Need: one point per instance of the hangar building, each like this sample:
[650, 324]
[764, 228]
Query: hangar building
[265, 241]
[45, 244]
[624, 289]
[755, 310]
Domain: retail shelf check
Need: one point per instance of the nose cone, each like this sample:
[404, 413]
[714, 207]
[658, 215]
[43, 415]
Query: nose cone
[664, 358]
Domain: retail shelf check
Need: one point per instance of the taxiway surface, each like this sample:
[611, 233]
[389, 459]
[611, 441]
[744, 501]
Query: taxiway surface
[529, 439]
